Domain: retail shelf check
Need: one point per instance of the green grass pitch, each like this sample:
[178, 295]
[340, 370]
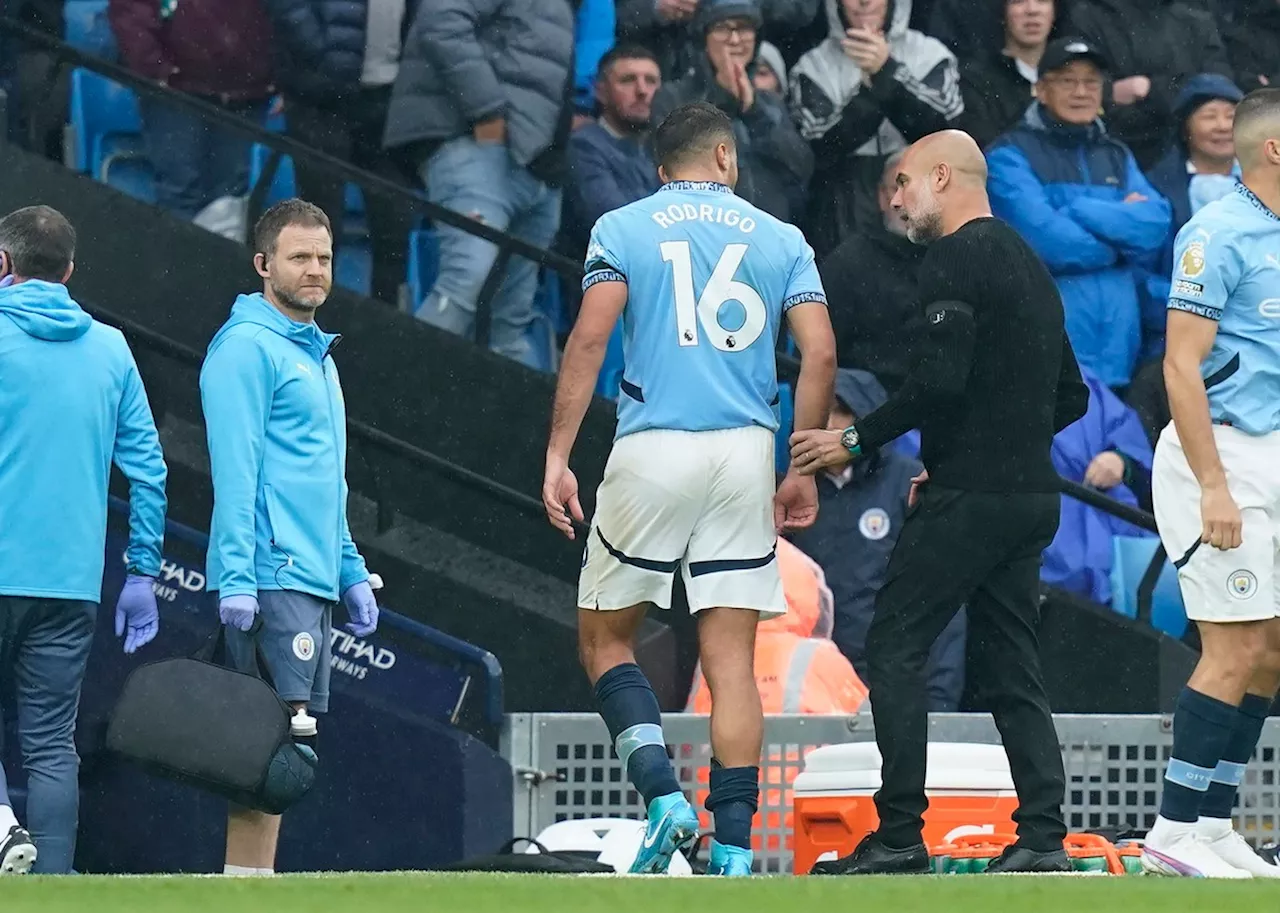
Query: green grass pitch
[569, 894]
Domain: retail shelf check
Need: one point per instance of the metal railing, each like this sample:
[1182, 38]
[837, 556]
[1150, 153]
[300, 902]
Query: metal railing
[508, 246]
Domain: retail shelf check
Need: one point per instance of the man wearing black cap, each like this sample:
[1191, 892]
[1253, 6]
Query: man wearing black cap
[1078, 198]
[774, 163]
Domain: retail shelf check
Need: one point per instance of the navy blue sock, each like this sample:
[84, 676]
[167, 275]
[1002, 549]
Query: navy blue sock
[1221, 794]
[1202, 728]
[734, 798]
[630, 710]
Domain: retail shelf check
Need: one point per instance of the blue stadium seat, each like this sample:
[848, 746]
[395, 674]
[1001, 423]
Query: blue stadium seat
[88, 29]
[424, 254]
[354, 267]
[549, 300]
[610, 380]
[131, 174]
[283, 184]
[786, 418]
[1131, 556]
[104, 121]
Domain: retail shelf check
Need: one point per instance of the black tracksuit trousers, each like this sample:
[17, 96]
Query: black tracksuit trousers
[982, 549]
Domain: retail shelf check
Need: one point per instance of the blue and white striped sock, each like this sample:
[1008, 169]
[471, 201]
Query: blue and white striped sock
[1202, 728]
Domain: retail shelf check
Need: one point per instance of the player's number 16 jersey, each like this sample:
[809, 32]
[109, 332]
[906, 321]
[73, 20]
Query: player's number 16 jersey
[708, 277]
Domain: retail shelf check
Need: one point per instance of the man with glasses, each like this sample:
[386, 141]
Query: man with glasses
[774, 162]
[1076, 194]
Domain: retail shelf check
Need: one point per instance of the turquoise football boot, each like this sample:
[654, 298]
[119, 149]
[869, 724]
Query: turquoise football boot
[731, 861]
[673, 826]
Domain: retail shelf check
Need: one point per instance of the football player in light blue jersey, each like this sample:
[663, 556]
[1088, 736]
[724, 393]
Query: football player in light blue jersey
[702, 281]
[1216, 487]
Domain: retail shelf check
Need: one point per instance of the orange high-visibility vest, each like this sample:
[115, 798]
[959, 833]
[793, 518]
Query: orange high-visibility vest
[810, 604]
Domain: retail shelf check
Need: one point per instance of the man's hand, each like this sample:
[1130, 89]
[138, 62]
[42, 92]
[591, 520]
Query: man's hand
[676, 10]
[492, 131]
[818, 449]
[137, 613]
[917, 482]
[238, 611]
[1131, 90]
[746, 91]
[868, 49]
[362, 607]
[1135, 197]
[795, 506]
[1105, 471]
[731, 75]
[1220, 518]
[560, 495]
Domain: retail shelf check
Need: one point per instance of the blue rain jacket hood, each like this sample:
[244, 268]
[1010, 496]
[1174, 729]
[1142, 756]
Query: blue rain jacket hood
[71, 404]
[44, 310]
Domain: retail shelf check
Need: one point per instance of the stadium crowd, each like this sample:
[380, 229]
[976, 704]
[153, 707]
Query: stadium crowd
[1106, 124]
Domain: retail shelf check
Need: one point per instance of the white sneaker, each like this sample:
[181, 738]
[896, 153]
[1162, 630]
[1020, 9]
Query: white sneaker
[1219, 836]
[17, 853]
[1175, 848]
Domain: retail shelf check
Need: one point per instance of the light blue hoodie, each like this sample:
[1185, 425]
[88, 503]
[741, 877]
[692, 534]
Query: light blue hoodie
[277, 430]
[71, 401]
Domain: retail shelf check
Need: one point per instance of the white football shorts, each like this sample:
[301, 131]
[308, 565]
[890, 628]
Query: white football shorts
[700, 502]
[1222, 586]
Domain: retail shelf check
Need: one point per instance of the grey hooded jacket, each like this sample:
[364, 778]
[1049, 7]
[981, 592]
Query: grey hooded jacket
[466, 61]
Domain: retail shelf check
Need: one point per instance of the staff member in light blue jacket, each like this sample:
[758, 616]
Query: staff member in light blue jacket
[280, 551]
[71, 403]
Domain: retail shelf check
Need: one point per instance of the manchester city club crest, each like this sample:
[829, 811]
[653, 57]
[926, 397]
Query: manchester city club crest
[874, 524]
[304, 647]
[1242, 584]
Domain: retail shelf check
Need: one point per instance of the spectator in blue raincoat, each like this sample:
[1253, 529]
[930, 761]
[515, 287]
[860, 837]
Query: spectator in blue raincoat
[1077, 196]
[1107, 449]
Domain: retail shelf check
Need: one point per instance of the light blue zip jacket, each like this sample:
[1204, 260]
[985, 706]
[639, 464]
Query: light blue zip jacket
[277, 430]
[71, 401]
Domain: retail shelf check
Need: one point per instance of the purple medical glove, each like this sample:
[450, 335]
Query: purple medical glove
[137, 613]
[238, 611]
[362, 607]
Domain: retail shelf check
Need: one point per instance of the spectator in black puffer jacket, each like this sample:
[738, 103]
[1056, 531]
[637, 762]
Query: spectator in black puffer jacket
[1152, 47]
[337, 61]
[871, 292]
[483, 104]
[1253, 44]
[974, 29]
[774, 163]
[999, 84]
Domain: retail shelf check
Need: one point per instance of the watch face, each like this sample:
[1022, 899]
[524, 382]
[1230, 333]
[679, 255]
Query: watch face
[849, 438]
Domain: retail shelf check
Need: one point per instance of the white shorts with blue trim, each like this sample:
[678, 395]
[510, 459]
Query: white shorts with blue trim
[700, 502]
[1239, 584]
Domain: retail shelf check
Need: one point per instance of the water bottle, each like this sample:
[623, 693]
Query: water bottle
[303, 728]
